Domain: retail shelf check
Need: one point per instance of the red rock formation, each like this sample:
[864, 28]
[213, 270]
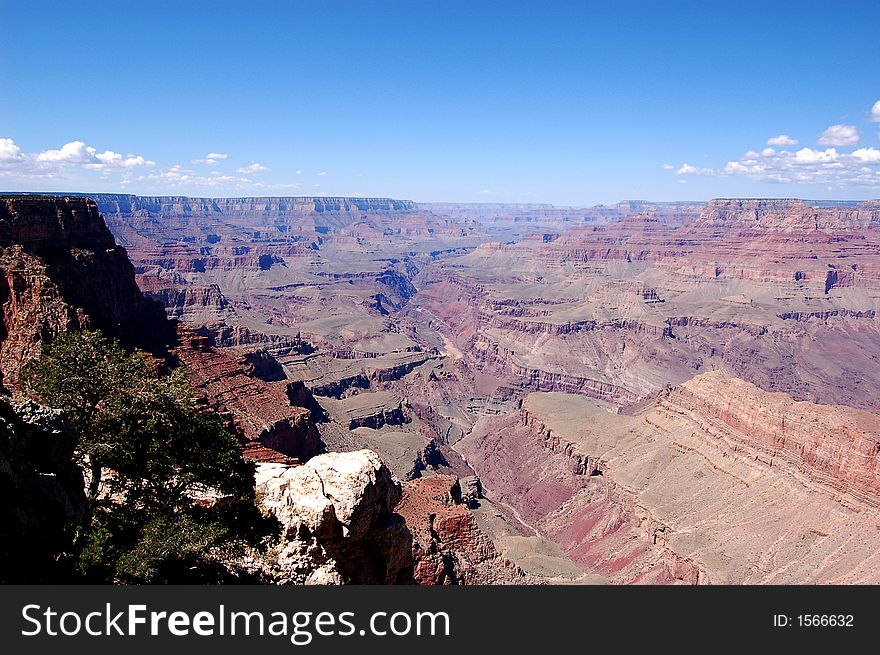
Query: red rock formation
[556, 488]
[784, 215]
[260, 410]
[448, 546]
[60, 269]
[834, 447]
[716, 481]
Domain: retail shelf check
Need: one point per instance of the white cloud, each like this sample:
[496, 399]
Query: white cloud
[810, 156]
[78, 165]
[9, 152]
[687, 169]
[811, 166]
[806, 166]
[211, 159]
[831, 167]
[839, 135]
[115, 160]
[781, 140]
[253, 168]
[75, 152]
[187, 181]
[299, 172]
[867, 154]
[322, 173]
[485, 192]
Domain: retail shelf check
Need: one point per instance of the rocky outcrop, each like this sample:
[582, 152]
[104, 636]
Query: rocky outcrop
[205, 304]
[376, 369]
[260, 410]
[338, 522]
[448, 546]
[60, 269]
[559, 487]
[42, 491]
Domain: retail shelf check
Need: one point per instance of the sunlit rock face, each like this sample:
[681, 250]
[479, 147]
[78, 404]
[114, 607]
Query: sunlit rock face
[338, 524]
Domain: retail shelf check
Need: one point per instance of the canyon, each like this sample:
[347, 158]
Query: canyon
[644, 392]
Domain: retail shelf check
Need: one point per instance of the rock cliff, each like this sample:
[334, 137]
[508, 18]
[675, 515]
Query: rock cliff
[338, 524]
[260, 410]
[785, 215]
[60, 269]
[449, 548]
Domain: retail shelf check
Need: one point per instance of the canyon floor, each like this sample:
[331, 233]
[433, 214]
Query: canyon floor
[643, 392]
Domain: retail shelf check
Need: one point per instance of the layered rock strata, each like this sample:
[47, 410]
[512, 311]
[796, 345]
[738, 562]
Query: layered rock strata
[262, 412]
[449, 548]
[716, 482]
[60, 269]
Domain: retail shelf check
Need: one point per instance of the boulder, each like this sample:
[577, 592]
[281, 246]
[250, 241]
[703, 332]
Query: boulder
[338, 524]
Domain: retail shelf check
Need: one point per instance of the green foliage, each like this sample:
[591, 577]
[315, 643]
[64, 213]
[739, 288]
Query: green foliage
[171, 494]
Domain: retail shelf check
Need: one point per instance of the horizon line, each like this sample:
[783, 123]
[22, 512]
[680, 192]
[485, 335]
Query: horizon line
[431, 202]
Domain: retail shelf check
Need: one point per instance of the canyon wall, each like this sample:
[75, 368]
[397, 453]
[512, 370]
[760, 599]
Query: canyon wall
[777, 292]
[60, 269]
[716, 481]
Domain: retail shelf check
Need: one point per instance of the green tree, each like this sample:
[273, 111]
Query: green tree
[171, 495]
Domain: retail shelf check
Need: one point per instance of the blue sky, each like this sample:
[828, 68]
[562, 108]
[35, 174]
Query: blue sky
[567, 103]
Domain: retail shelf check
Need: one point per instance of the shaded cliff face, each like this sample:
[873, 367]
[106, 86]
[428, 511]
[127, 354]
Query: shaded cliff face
[60, 269]
[42, 492]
